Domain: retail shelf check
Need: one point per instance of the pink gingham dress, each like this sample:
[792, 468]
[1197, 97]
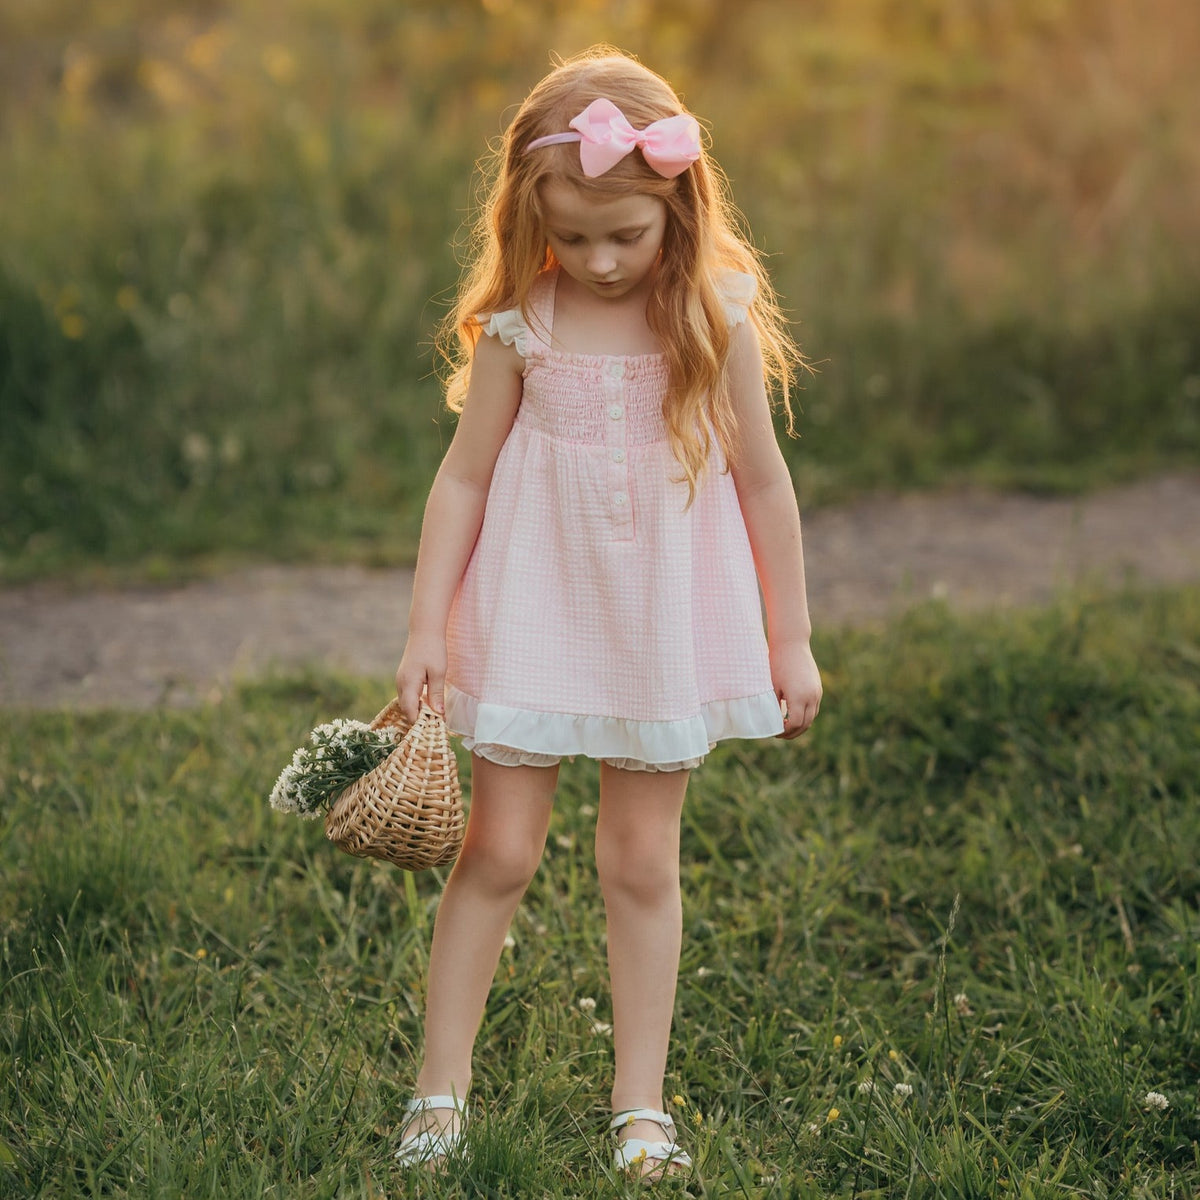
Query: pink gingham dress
[599, 614]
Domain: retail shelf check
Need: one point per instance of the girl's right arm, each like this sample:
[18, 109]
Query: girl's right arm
[453, 516]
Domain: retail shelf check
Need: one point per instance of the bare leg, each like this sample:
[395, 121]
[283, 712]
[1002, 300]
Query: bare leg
[506, 834]
[637, 858]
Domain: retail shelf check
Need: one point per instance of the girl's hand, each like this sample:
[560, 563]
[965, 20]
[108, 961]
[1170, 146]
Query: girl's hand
[797, 684]
[422, 670]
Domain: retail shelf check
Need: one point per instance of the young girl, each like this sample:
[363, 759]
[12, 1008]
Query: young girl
[592, 550]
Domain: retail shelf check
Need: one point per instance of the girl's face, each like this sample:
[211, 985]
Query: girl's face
[609, 246]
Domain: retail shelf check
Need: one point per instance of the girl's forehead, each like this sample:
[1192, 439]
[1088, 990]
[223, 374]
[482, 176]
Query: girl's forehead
[565, 205]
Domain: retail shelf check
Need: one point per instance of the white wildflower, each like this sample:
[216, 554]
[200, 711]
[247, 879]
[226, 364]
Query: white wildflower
[1156, 1100]
[283, 794]
[339, 753]
[587, 1004]
[962, 1005]
[866, 1087]
[903, 1090]
[601, 1028]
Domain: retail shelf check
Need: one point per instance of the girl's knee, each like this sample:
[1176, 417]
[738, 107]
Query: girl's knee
[500, 864]
[635, 866]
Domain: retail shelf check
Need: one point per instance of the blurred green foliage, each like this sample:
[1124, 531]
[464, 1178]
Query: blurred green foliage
[227, 231]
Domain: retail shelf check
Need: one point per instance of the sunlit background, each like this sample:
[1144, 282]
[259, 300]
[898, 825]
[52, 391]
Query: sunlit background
[227, 231]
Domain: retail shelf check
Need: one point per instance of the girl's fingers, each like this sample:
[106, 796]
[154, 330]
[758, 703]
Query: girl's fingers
[798, 718]
[436, 694]
[408, 691]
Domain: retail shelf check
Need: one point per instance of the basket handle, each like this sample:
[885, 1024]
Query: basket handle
[393, 715]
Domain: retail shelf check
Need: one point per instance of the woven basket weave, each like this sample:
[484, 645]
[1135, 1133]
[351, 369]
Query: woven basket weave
[408, 810]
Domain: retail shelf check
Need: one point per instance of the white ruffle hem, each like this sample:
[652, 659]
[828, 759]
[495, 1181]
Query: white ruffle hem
[523, 737]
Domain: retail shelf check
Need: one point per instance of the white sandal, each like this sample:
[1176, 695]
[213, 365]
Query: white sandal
[633, 1152]
[431, 1144]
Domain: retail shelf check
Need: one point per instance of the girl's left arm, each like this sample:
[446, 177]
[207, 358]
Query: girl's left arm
[768, 504]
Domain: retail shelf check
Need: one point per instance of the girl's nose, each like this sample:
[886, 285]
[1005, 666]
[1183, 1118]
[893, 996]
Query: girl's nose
[601, 261]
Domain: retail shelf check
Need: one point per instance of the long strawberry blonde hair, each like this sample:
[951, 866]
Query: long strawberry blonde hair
[702, 243]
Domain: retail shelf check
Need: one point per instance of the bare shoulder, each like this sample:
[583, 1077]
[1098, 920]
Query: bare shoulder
[744, 347]
[494, 354]
[747, 384]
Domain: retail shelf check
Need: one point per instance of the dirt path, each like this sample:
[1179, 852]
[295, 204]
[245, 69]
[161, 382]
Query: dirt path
[177, 645]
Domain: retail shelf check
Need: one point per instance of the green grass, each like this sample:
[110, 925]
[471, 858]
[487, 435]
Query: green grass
[977, 879]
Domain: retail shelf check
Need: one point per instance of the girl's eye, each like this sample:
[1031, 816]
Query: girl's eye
[631, 241]
[569, 241]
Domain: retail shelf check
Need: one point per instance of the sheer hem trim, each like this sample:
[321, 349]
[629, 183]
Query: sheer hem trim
[517, 736]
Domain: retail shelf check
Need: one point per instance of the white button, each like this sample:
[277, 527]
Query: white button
[616, 370]
[616, 411]
[620, 498]
[618, 455]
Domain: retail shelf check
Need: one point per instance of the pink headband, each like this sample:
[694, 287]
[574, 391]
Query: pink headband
[605, 137]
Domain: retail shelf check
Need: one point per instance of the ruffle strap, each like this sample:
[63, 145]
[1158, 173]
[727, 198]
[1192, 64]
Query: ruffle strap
[509, 326]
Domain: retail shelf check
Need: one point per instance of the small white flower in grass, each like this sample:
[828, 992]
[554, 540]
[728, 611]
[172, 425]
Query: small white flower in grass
[866, 1087]
[962, 1005]
[903, 1091]
[601, 1028]
[1156, 1100]
[510, 942]
[587, 1004]
[703, 972]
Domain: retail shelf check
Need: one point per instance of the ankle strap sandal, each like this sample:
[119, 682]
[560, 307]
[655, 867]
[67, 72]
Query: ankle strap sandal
[633, 1152]
[431, 1144]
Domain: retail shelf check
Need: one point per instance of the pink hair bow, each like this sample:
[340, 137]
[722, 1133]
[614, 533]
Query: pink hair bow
[605, 137]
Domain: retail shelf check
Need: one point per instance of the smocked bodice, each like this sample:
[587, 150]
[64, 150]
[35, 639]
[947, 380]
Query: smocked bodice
[594, 399]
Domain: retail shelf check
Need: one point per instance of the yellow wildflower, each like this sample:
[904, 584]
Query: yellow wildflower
[72, 325]
[279, 63]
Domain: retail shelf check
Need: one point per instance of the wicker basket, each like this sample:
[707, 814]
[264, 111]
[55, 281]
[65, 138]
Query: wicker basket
[408, 810]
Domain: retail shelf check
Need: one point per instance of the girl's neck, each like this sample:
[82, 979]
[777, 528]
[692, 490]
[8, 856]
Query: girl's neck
[585, 323]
